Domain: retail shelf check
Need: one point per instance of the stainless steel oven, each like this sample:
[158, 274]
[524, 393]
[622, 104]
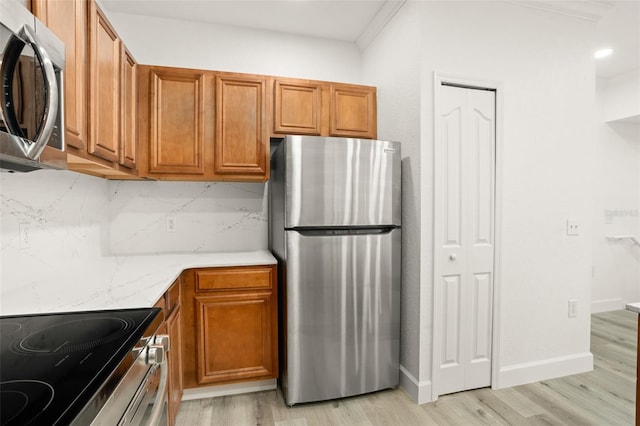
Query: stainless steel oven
[84, 368]
[140, 397]
[32, 61]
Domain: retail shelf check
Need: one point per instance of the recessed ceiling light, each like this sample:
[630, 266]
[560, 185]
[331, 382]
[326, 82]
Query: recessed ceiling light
[602, 53]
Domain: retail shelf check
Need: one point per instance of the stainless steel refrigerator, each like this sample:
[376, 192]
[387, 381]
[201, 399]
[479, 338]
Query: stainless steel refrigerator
[335, 208]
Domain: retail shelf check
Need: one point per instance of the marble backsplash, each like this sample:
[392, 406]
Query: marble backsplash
[50, 221]
[205, 217]
[55, 220]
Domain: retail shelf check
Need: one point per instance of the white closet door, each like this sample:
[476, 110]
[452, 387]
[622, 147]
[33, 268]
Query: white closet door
[465, 215]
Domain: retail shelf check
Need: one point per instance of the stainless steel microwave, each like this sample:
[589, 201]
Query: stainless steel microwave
[31, 112]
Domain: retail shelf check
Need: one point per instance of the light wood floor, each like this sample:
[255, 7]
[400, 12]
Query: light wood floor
[604, 396]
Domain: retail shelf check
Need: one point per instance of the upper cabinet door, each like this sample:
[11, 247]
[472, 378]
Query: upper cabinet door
[68, 20]
[241, 134]
[308, 107]
[129, 110]
[353, 111]
[104, 107]
[297, 107]
[180, 121]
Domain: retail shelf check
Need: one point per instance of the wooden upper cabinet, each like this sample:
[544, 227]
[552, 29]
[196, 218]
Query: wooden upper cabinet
[210, 125]
[100, 139]
[202, 125]
[68, 20]
[353, 111]
[104, 105]
[129, 109]
[180, 121]
[297, 107]
[308, 107]
[241, 134]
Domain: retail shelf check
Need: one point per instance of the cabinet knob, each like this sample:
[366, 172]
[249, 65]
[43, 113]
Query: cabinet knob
[452, 256]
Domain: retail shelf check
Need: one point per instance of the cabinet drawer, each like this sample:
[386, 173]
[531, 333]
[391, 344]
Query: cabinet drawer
[173, 296]
[160, 303]
[233, 278]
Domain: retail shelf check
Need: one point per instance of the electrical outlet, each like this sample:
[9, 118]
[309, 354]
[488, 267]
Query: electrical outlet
[24, 232]
[573, 227]
[171, 224]
[573, 308]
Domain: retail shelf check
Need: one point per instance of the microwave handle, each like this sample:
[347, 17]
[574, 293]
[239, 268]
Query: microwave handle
[33, 150]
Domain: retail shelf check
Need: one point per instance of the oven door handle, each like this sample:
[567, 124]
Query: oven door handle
[158, 405]
[33, 150]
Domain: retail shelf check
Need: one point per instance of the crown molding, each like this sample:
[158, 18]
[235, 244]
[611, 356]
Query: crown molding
[384, 15]
[590, 10]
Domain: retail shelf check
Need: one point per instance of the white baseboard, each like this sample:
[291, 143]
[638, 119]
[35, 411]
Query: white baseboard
[530, 372]
[420, 392]
[606, 305]
[229, 389]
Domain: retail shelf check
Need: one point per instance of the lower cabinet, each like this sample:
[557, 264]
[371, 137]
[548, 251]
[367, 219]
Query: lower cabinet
[170, 305]
[222, 327]
[229, 325]
[174, 359]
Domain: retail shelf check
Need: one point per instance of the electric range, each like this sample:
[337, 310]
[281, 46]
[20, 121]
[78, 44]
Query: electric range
[63, 368]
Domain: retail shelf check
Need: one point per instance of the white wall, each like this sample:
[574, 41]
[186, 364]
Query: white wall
[170, 42]
[621, 99]
[545, 64]
[392, 63]
[616, 266]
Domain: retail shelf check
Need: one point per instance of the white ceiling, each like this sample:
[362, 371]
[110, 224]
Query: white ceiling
[346, 20]
[358, 21]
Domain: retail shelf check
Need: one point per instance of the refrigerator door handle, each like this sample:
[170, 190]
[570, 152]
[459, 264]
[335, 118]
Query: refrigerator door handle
[319, 232]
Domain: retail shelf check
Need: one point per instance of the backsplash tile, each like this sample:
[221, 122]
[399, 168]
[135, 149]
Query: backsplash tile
[207, 216]
[70, 220]
[64, 217]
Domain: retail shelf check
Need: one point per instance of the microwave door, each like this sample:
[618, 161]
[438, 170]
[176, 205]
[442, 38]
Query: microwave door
[18, 82]
[29, 95]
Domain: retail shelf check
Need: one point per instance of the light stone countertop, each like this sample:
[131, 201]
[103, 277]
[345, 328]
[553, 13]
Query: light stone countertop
[117, 282]
[633, 307]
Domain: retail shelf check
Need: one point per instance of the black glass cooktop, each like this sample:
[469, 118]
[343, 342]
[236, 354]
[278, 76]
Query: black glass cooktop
[52, 365]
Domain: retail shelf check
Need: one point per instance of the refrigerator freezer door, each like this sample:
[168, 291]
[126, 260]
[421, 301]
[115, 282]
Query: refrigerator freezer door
[341, 182]
[343, 315]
